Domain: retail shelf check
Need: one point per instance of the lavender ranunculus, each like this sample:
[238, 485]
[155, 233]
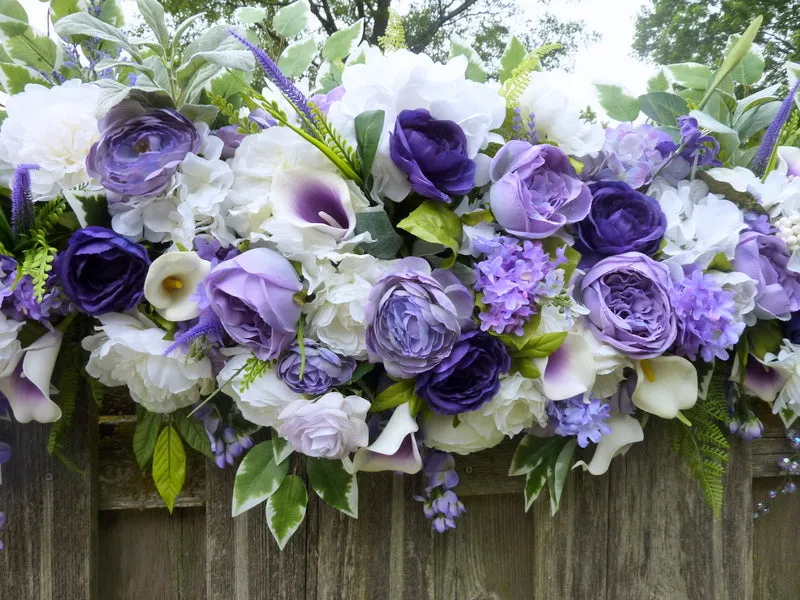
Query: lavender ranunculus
[620, 220]
[433, 153]
[139, 149]
[535, 190]
[253, 296]
[765, 258]
[102, 271]
[415, 316]
[323, 369]
[628, 297]
[468, 378]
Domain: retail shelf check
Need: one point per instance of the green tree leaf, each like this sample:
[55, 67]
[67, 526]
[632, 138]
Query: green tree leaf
[617, 103]
[334, 484]
[297, 57]
[286, 509]
[257, 478]
[292, 19]
[386, 241]
[664, 108]
[343, 42]
[434, 222]
[369, 128]
[144, 438]
[193, 432]
[475, 68]
[395, 395]
[512, 56]
[169, 466]
[557, 473]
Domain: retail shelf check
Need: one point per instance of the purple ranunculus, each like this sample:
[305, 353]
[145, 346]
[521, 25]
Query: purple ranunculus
[433, 153]
[765, 258]
[535, 190]
[620, 220]
[323, 369]
[253, 296]
[102, 271]
[415, 316]
[139, 149]
[628, 297]
[468, 378]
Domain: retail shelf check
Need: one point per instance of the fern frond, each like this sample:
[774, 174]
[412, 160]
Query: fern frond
[253, 369]
[68, 385]
[395, 36]
[513, 88]
[48, 215]
[327, 134]
[230, 112]
[38, 262]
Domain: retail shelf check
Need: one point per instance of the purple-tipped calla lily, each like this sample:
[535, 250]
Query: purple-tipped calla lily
[569, 371]
[789, 161]
[761, 381]
[27, 381]
[625, 431]
[396, 447]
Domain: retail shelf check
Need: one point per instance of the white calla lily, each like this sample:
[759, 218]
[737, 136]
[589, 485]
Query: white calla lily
[569, 371]
[27, 386]
[171, 283]
[665, 385]
[625, 431]
[396, 446]
[789, 160]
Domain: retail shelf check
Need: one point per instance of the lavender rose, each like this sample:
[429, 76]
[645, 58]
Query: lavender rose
[535, 191]
[101, 271]
[765, 259]
[628, 297]
[468, 378]
[139, 149]
[253, 296]
[323, 369]
[414, 317]
[433, 153]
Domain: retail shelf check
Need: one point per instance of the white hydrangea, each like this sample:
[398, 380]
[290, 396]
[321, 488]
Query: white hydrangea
[744, 291]
[53, 128]
[402, 80]
[129, 350]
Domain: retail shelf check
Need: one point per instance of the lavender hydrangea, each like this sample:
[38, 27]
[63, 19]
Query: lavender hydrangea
[18, 301]
[706, 316]
[698, 149]
[514, 277]
[440, 503]
[584, 418]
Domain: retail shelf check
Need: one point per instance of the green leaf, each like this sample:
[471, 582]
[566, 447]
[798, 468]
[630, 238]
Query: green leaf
[534, 484]
[193, 432]
[533, 451]
[526, 367]
[475, 68]
[663, 107]
[14, 78]
[334, 484]
[82, 23]
[735, 55]
[33, 50]
[281, 450]
[144, 438]
[658, 82]
[764, 337]
[292, 19]
[434, 222]
[297, 57]
[257, 478]
[361, 370]
[369, 128]
[557, 473]
[169, 465]
[513, 55]
[153, 14]
[744, 200]
[727, 137]
[286, 509]
[343, 42]
[691, 75]
[250, 15]
[329, 76]
[386, 242]
[541, 346]
[395, 395]
[617, 103]
[13, 18]
[62, 8]
[720, 262]
[750, 68]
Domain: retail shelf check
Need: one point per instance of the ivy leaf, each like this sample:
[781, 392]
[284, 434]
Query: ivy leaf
[16, 77]
[557, 473]
[169, 465]
[369, 128]
[281, 449]
[395, 395]
[297, 57]
[343, 42]
[619, 105]
[257, 478]
[334, 484]
[292, 19]
[144, 438]
[532, 451]
[434, 222]
[534, 484]
[386, 242]
[513, 55]
[193, 432]
[286, 509]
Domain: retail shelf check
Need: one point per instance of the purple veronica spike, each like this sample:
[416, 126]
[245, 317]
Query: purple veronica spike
[22, 199]
[209, 326]
[764, 153]
[274, 74]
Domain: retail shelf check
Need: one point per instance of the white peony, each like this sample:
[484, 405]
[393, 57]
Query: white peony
[129, 350]
[439, 433]
[53, 128]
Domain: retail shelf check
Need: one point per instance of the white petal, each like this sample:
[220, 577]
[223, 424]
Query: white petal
[625, 431]
[665, 385]
[396, 446]
[28, 387]
[568, 371]
[175, 305]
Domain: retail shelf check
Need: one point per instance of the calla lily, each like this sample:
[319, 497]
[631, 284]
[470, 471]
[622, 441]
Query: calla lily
[665, 385]
[396, 446]
[625, 431]
[760, 380]
[27, 387]
[171, 283]
[569, 371]
[789, 160]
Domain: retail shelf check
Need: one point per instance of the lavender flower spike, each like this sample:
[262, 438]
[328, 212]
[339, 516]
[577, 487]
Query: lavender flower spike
[761, 160]
[277, 77]
[22, 199]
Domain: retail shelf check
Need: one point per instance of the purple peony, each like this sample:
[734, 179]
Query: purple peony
[765, 258]
[253, 296]
[628, 297]
[322, 371]
[101, 271]
[468, 378]
[535, 190]
[139, 149]
[620, 220]
[433, 153]
[415, 316]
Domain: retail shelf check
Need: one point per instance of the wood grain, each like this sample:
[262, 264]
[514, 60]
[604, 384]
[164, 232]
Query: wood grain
[776, 545]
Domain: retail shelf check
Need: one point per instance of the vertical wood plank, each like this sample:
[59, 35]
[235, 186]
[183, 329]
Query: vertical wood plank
[51, 535]
[776, 544]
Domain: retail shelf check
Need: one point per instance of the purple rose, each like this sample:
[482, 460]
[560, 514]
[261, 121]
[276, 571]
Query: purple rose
[433, 153]
[253, 296]
[535, 190]
[323, 369]
[140, 150]
[620, 220]
[468, 378]
[628, 297]
[414, 317]
[101, 271]
[765, 258]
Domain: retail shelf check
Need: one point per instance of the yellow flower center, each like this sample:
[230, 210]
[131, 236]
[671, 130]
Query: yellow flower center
[172, 283]
[647, 369]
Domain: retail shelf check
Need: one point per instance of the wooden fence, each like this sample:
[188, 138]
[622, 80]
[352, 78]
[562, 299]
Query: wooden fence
[640, 532]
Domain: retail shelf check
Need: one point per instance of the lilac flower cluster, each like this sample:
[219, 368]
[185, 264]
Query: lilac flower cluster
[582, 417]
[698, 149]
[707, 322]
[514, 277]
[227, 441]
[441, 504]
